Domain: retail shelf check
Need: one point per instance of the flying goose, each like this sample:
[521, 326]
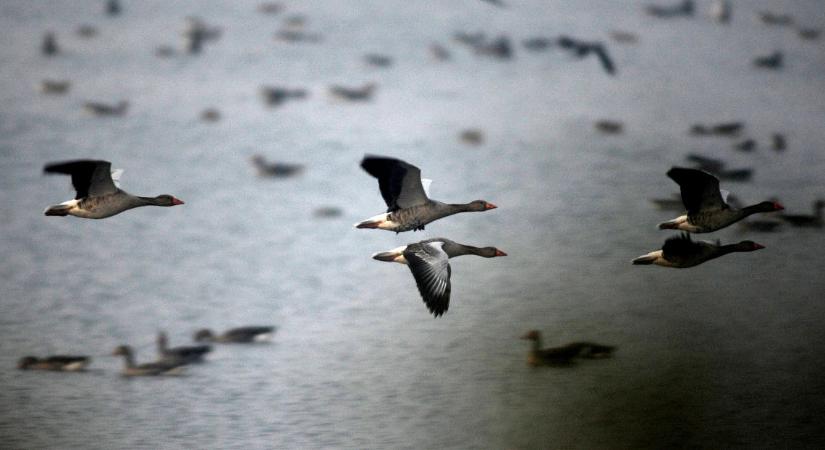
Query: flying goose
[236, 335]
[408, 207]
[682, 252]
[707, 207]
[97, 196]
[429, 263]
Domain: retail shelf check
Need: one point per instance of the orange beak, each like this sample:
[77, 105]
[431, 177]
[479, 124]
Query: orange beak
[490, 206]
[176, 201]
[500, 253]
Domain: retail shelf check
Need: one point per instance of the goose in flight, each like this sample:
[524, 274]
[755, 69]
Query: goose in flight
[682, 252]
[707, 206]
[408, 207]
[429, 263]
[97, 196]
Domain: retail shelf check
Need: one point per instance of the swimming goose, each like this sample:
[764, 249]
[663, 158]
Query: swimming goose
[268, 169]
[772, 61]
[683, 9]
[719, 129]
[236, 335]
[564, 354]
[55, 86]
[362, 93]
[103, 109]
[707, 207]
[57, 362]
[97, 196]
[803, 220]
[130, 369]
[429, 263]
[49, 45]
[183, 355]
[408, 207]
[682, 252]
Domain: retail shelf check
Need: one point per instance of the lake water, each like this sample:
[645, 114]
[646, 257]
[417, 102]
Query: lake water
[726, 354]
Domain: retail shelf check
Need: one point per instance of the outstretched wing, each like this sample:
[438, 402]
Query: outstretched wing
[400, 183]
[90, 178]
[430, 267]
[700, 190]
[604, 58]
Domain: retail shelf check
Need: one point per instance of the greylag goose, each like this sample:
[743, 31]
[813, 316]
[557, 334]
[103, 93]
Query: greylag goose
[748, 145]
[268, 169]
[130, 369]
[54, 86]
[609, 126]
[707, 209]
[362, 93]
[49, 45]
[57, 362]
[408, 207]
[804, 220]
[236, 335]
[682, 9]
[809, 34]
[720, 129]
[97, 196]
[682, 252]
[103, 109]
[276, 96]
[770, 18]
[772, 61]
[472, 136]
[183, 355]
[563, 355]
[112, 7]
[429, 263]
[377, 60]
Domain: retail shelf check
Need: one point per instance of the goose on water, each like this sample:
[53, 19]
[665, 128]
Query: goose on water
[408, 207]
[682, 252]
[429, 262]
[707, 207]
[130, 369]
[97, 196]
[183, 354]
[563, 355]
[61, 363]
[804, 220]
[236, 335]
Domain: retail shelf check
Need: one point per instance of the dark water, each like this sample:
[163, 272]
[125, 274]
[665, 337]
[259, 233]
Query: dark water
[726, 354]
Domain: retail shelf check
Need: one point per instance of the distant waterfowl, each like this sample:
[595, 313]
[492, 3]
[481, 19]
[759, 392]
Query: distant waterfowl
[498, 3]
[270, 8]
[164, 51]
[180, 355]
[472, 40]
[61, 363]
[779, 142]
[720, 129]
[239, 335]
[669, 204]
[624, 37]
[362, 93]
[748, 145]
[721, 11]
[682, 252]
[327, 212]
[86, 31]
[499, 47]
[581, 49]
[97, 196]
[376, 60]
[685, 8]
[760, 226]
[278, 170]
[112, 7]
[49, 45]
[809, 34]
[563, 355]
[408, 206]
[196, 32]
[772, 61]
[297, 35]
[439, 53]
[55, 86]
[472, 136]
[104, 109]
[707, 207]
[429, 263]
[769, 18]
[295, 21]
[130, 369]
[276, 95]
[609, 126]
[803, 220]
[537, 44]
[706, 163]
[210, 115]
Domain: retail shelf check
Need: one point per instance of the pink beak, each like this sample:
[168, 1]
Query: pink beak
[490, 206]
[500, 253]
[175, 201]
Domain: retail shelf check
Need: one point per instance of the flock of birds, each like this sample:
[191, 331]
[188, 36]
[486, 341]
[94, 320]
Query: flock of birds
[409, 207]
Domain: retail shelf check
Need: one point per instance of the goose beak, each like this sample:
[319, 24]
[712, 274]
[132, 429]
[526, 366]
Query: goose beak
[490, 206]
[758, 246]
[778, 206]
[176, 201]
[500, 253]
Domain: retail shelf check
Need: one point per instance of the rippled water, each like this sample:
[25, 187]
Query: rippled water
[725, 354]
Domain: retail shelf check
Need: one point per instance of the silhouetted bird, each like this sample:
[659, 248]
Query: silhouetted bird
[682, 9]
[772, 61]
[49, 45]
[682, 252]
